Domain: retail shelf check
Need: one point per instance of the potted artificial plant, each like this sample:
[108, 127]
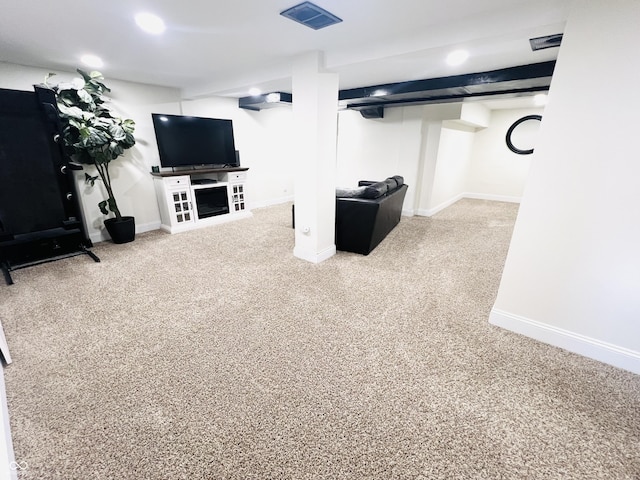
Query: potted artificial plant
[93, 136]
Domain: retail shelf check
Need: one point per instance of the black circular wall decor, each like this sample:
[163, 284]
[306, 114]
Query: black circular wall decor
[510, 144]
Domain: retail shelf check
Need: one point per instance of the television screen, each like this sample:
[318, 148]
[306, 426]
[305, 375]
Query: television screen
[190, 141]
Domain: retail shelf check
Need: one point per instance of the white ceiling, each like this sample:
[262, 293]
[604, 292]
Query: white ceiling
[216, 47]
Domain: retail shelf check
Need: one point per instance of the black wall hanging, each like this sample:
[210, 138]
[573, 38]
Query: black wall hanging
[520, 121]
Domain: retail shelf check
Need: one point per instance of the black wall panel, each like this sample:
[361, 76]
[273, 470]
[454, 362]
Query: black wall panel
[30, 196]
[40, 216]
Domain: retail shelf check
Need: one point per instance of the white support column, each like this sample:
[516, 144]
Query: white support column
[432, 130]
[315, 117]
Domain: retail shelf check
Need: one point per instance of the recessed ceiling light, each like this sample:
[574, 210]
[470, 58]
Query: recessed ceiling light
[150, 23]
[92, 61]
[457, 57]
[254, 92]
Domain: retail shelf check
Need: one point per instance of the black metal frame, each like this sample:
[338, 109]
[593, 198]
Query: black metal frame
[49, 196]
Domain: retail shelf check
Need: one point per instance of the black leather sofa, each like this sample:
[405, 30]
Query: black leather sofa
[366, 215]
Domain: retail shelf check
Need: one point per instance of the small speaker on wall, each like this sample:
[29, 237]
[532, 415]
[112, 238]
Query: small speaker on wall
[237, 158]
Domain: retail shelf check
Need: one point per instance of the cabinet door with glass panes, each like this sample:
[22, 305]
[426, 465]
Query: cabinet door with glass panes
[180, 206]
[237, 197]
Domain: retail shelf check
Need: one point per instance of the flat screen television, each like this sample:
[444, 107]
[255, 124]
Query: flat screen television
[185, 141]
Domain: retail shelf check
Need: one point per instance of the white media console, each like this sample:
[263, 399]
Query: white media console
[198, 198]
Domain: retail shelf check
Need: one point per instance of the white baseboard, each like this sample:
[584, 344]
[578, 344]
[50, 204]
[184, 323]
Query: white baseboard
[314, 257]
[147, 227]
[476, 196]
[271, 202]
[495, 198]
[103, 236]
[574, 342]
[432, 211]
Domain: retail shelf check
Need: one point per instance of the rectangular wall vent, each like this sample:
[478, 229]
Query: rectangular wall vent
[549, 41]
[311, 15]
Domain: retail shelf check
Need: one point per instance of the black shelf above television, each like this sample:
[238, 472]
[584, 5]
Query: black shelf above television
[198, 171]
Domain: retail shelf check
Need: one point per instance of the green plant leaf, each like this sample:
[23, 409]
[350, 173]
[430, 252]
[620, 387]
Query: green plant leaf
[112, 204]
[93, 137]
[75, 123]
[117, 132]
[103, 207]
[73, 112]
[84, 74]
[128, 125]
[84, 96]
[48, 77]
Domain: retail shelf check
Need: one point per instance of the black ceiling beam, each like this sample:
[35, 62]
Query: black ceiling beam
[512, 80]
[427, 99]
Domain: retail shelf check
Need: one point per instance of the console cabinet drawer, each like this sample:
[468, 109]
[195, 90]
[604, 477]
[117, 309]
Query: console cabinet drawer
[173, 182]
[236, 177]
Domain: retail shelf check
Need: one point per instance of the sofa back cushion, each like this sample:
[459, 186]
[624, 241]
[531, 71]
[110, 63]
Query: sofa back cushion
[371, 190]
[392, 184]
[399, 180]
[357, 192]
[375, 190]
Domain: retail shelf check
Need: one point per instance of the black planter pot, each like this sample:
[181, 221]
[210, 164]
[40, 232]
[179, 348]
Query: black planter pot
[122, 231]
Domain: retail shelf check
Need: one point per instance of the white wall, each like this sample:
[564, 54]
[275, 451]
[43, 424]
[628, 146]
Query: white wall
[374, 149]
[264, 141]
[571, 276]
[368, 149]
[450, 176]
[495, 171]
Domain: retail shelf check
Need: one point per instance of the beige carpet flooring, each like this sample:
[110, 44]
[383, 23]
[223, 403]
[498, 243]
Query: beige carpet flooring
[216, 354]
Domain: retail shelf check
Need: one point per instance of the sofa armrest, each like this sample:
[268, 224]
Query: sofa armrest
[355, 221]
[361, 224]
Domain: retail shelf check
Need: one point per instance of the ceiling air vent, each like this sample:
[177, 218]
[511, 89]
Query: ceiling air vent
[311, 15]
[549, 41]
